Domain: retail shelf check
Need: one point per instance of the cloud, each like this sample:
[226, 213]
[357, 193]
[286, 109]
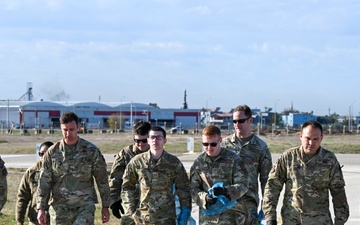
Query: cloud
[263, 47]
[199, 10]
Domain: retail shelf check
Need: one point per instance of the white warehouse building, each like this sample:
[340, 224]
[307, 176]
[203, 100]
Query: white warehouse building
[45, 114]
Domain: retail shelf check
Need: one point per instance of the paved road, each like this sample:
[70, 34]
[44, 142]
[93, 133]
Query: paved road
[351, 172]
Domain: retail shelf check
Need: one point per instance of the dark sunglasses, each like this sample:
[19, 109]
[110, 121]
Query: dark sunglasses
[41, 153]
[140, 140]
[213, 144]
[240, 120]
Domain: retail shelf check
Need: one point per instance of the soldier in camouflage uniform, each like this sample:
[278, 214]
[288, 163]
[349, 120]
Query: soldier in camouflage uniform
[69, 170]
[26, 196]
[309, 172]
[255, 154]
[218, 165]
[155, 172]
[141, 132]
[3, 185]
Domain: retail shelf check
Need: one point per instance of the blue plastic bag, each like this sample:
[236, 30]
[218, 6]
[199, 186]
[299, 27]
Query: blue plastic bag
[261, 218]
[221, 205]
[183, 214]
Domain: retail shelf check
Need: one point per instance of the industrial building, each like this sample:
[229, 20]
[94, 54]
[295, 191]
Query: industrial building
[46, 114]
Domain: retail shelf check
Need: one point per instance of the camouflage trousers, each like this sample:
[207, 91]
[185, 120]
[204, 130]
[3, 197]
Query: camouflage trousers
[3, 191]
[140, 221]
[64, 215]
[252, 207]
[224, 219]
[126, 220]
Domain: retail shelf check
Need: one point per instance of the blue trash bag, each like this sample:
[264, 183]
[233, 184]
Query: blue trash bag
[261, 218]
[221, 205]
[183, 214]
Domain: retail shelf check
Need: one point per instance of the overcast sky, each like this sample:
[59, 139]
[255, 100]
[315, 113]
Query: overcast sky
[222, 52]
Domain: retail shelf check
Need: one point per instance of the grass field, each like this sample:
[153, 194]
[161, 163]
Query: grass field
[112, 143]
[176, 143]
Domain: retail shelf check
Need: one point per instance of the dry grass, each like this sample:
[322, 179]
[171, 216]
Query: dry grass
[176, 143]
[108, 143]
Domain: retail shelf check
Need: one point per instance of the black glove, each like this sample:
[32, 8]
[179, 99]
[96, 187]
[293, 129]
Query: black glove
[116, 207]
[271, 222]
[210, 200]
[220, 191]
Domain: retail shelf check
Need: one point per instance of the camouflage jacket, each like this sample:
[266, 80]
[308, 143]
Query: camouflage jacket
[258, 162]
[155, 179]
[68, 175]
[228, 168]
[307, 186]
[3, 170]
[3, 184]
[26, 196]
[118, 169]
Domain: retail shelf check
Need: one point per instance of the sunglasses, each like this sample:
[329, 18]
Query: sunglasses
[41, 153]
[240, 120]
[157, 137]
[212, 144]
[138, 141]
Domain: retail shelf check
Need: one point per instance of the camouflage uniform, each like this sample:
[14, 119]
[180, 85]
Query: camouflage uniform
[307, 184]
[68, 175]
[27, 194]
[228, 168]
[155, 180]
[258, 162]
[116, 174]
[3, 184]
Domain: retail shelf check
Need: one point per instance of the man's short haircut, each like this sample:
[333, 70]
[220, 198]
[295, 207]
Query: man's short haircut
[313, 124]
[68, 117]
[211, 130]
[47, 144]
[245, 108]
[157, 128]
[142, 128]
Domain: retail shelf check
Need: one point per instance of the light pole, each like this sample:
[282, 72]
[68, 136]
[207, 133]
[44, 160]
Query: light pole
[351, 115]
[131, 114]
[275, 114]
[207, 111]
[260, 115]
[120, 112]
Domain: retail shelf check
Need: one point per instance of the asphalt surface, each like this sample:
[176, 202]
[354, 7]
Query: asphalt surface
[351, 171]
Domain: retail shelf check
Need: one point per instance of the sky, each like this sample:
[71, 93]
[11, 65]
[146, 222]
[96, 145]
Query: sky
[275, 54]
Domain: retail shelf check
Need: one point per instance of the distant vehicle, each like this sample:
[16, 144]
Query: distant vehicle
[175, 128]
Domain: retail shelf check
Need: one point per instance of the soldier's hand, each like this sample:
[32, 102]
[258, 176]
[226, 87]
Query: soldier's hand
[105, 214]
[41, 217]
[210, 200]
[271, 222]
[116, 209]
[220, 191]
